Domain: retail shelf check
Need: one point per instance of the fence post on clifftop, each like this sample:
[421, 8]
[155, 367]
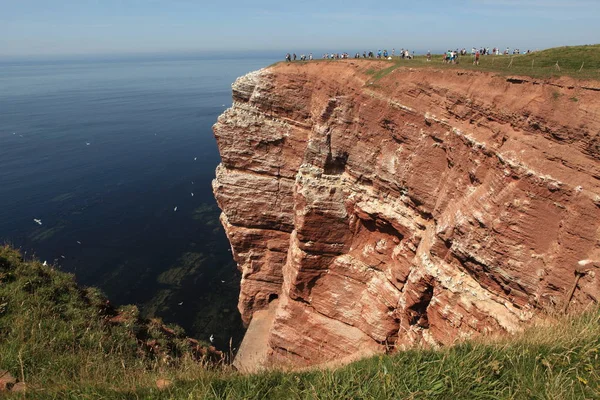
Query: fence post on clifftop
[578, 275]
[580, 271]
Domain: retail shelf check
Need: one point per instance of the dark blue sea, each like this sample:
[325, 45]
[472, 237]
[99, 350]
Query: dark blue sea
[116, 158]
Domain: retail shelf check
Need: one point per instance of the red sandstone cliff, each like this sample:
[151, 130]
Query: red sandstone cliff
[424, 209]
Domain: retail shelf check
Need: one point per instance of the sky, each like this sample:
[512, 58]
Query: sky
[72, 27]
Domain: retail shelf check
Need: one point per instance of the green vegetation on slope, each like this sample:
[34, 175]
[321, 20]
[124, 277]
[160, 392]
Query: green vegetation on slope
[58, 339]
[55, 335]
[580, 62]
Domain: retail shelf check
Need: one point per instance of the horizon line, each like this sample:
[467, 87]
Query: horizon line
[232, 54]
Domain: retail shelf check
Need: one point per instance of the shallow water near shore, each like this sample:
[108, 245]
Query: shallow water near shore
[115, 158]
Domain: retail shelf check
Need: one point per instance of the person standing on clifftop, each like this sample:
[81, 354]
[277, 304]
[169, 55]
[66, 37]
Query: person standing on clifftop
[288, 58]
[476, 62]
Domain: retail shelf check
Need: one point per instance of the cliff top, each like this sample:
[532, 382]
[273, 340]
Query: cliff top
[556, 114]
[579, 62]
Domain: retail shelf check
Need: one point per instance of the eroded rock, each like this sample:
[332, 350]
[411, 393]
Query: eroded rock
[423, 210]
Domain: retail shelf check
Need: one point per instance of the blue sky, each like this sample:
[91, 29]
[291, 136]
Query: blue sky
[64, 27]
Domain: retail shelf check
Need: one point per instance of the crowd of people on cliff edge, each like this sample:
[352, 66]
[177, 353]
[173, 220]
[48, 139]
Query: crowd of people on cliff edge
[451, 56]
[380, 54]
[293, 57]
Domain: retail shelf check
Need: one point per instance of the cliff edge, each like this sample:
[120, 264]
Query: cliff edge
[422, 208]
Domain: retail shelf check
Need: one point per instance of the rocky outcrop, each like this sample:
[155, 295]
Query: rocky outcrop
[420, 209]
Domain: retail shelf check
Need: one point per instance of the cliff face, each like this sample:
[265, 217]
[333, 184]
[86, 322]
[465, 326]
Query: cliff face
[424, 208]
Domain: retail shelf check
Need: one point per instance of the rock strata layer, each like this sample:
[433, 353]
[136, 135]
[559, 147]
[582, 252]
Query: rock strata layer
[426, 207]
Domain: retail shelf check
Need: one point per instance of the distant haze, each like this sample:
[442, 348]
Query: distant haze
[83, 27]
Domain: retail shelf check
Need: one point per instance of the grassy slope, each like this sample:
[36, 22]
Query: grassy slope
[56, 337]
[541, 64]
[550, 363]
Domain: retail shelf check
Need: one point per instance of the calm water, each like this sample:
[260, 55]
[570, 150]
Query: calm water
[102, 153]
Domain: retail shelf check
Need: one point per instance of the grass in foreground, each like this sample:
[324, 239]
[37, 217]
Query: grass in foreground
[51, 337]
[55, 335]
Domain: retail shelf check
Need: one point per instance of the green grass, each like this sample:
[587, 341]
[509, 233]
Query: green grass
[580, 62]
[550, 363]
[55, 336]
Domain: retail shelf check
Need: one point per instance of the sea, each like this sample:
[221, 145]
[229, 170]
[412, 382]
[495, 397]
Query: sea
[105, 172]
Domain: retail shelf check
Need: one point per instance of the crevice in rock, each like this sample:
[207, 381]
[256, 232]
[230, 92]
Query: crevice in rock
[265, 144]
[593, 89]
[288, 351]
[382, 226]
[245, 170]
[252, 278]
[474, 179]
[516, 80]
[417, 312]
[335, 165]
[494, 281]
